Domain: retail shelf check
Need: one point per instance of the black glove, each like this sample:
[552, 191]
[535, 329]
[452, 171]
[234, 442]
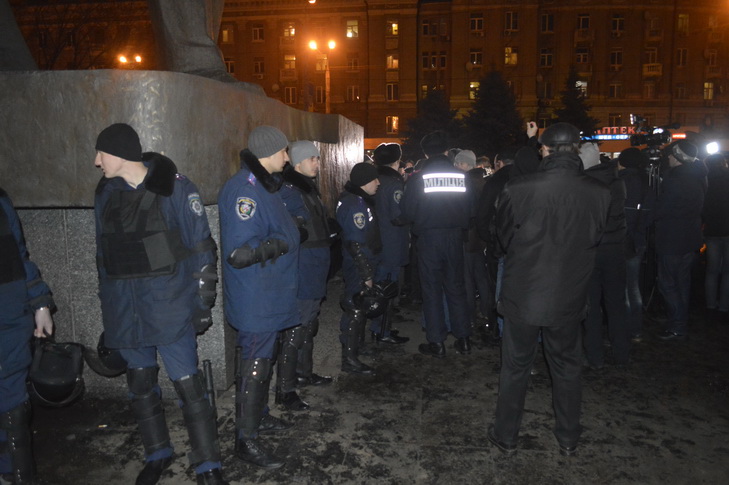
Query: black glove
[202, 318]
[244, 256]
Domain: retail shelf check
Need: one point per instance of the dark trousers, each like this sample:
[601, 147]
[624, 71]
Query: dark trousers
[440, 262]
[476, 278]
[634, 298]
[607, 285]
[674, 283]
[563, 354]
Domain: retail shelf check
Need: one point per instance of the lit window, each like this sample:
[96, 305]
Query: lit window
[392, 28]
[290, 95]
[226, 35]
[582, 86]
[683, 24]
[352, 28]
[289, 61]
[392, 61]
[393, 92]
[321, 62]
[511, 56]
[289, 30]
[393, 124]
[708, 91]
[473, 89]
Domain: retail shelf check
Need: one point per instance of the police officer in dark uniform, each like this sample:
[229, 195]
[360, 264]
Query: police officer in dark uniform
[394, 233]
[25, 304]
[303, 201]
[437, 203]
[156, 264]
[260, 244]
[361, 248]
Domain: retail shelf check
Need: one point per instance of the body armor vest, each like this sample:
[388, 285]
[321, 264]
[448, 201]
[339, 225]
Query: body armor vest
[11, 264]
[135, 240]
[316, 225]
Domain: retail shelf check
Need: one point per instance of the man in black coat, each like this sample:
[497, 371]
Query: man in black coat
[548, 224]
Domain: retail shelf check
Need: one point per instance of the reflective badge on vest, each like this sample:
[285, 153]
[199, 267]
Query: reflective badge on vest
[246, 208]
[359, 220]
[444, 182]
[195, 204]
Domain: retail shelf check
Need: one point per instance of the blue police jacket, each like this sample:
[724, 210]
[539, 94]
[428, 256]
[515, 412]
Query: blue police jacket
[21, 293]
[395, 234]
[304, 203]
[356, 215]
[436, 197]
[150, 311]
[261, 297]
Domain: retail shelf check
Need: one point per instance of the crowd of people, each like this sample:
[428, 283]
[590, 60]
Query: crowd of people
[539, 248]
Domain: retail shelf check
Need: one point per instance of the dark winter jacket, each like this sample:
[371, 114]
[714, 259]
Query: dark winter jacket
[260, 298]
[640, 203]
[395, 235]
[716, 203]
[549, 223]
[607, 173]
[475, 181]
[678, 209]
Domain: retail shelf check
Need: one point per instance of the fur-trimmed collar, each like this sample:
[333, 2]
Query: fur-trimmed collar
[354, 190]
[270, 181]
[161, 174]
[384, 170]
[301, 182]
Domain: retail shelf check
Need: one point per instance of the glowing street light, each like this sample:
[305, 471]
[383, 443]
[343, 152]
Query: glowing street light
[124, 60]
[327, 79]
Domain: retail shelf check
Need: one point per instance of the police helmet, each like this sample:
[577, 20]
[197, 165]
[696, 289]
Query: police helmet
[560, 134]
[105, 361]
[371, 301]
[55, 378]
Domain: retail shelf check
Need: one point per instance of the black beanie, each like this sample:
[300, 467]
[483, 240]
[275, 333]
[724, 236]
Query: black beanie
[435, 143]
[362, 174]
[632, 158]
[121, 141]
[387, 154]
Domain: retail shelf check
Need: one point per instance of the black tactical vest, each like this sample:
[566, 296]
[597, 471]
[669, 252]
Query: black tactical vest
[316, 225]
[11, 264]
[135, 240]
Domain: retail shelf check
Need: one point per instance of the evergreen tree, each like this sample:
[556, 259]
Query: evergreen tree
[575, 109]
[434, 113]
[493, 122]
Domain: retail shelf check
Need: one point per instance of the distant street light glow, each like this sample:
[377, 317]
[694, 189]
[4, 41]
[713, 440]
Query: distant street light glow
[138, 58]
[123, 59]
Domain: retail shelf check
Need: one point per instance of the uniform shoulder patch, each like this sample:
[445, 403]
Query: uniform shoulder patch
[397, 195]
[196, 205]
[359, 220]
[245, 208]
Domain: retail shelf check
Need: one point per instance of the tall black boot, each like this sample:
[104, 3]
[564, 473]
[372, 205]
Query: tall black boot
[19, 445]
[147, 409]
[201, 426]
[305, 375]
[356, 322]
[291, 340]
[250, 402]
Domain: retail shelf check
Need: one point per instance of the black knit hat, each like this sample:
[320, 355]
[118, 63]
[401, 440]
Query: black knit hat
[632, 157]
[121, 141]
[434, 143]
[362, 174]
[387, 154]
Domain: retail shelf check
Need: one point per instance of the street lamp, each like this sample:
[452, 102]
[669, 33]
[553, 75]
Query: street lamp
[327, 80]
[127, 62]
